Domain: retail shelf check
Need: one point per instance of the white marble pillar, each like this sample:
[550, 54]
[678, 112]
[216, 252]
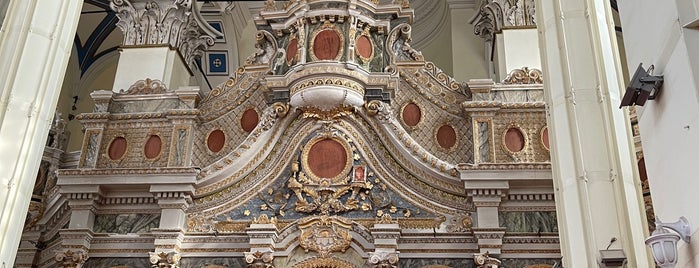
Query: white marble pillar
[597, 197]
[35, 44]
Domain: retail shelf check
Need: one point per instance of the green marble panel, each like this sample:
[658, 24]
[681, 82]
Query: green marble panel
[529, 221]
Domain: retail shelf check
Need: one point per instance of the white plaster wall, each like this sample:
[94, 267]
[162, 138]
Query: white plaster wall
[467, 48]
[519, 48]
[439, 51]
[669, 125]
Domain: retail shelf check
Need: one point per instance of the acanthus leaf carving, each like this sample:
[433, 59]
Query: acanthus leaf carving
[162, 22]
[71, 259]
[524, 76]
[265, 49]
[399, 47]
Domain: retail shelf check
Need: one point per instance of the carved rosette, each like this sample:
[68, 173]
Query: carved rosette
[485, 261]
[71, 259]
[164, 260]
[325, 234]
[163, 22]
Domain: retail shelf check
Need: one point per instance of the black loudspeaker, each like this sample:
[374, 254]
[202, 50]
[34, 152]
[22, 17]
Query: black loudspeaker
[642, 87]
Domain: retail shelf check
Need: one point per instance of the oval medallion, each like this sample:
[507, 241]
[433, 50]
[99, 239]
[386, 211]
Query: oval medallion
[545, 138]
[364, 47]
[446, 136]
[153, 147]
[249, 120]
[326, 45]
[291, 50]
[411, 114]
[117, 148]
[327, 158]
[514, 139]
[216, 140]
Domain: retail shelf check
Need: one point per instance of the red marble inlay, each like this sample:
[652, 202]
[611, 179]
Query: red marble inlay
[326, 45]
[327, 158]
[291, 50]
[364, 47]
[514, 139]
[411, 114]
[216, 140]
[153, 146]
[249, 120]
[117, 148]
[446, 136]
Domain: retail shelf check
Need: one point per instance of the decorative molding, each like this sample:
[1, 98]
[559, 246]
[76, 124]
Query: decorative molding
[259, 259]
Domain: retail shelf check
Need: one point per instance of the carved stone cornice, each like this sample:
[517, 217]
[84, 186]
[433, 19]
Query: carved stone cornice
[163, 22]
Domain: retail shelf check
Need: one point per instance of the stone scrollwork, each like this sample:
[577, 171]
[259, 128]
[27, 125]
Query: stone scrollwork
[398, 45]
[71, 259]
[460, 223]
[489, 19]
[524, 76]
[162, 22]
[164, 260]
[325, 234]
[383, 259]
[519, 12]
[485, 261]
[271, 114]
[146, 86]
[265, 49]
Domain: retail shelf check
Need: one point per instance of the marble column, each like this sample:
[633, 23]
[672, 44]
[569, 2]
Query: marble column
[597, 198]
[162, 39]
[35, 44]
[170, 232]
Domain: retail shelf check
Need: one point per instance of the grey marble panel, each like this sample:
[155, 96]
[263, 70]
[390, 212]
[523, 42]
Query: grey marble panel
[204, 262]
[111, 262]
[140, 106]
[483, 142]
[92, 148]
[125, 223]
[455, 263]
[529, 221]
[520, 263]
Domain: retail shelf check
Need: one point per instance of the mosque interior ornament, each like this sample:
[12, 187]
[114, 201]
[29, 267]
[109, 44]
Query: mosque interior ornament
[336, 144]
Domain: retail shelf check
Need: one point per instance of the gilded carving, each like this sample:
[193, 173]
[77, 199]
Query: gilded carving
[325, 234]
[259, 259]
[460, 223]
[336, 82]
[524, 76]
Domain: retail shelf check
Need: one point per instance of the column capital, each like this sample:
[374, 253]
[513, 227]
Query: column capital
[174, 23]
[383, 259]
[71, 258]
[259, 259]
[164, 260]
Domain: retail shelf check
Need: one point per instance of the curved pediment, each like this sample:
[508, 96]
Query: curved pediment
[348, 166]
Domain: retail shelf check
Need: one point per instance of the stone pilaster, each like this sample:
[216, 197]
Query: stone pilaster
[262, 235]
[386, 233]
[94, 127]
[487, 196]
[182, 136]
[162, 39]
[170, 233]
